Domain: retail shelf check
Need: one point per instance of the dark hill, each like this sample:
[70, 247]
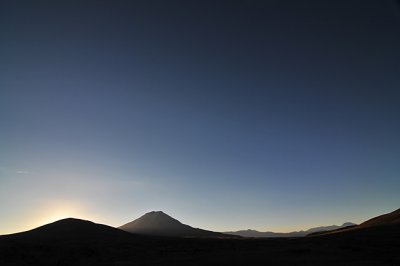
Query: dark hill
[391, 218]
[71, 229]
[160, 224]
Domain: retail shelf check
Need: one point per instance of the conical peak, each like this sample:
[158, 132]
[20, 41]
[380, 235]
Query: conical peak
[156, 212]
[161, 224]
[157, 215]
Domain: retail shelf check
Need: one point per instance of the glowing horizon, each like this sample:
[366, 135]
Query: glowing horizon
[268, 115]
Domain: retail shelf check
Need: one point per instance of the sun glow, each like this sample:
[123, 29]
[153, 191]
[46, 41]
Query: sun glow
[47, 212]
[57, 210]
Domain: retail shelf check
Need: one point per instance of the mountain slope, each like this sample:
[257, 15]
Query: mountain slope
[391, 218]
[254, 233]
[161, 224]
[383, 225]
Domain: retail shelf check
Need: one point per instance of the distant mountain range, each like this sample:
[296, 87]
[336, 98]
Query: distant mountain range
[160, 224]
[379, 224]
[254, 233]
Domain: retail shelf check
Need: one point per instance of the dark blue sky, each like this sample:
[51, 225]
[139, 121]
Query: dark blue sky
[272, 115]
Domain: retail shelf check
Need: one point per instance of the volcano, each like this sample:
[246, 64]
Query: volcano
[160, 224]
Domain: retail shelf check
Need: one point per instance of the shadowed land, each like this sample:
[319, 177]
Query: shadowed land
[78, 242]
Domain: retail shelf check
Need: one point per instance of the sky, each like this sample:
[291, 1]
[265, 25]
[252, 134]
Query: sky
[227, 115]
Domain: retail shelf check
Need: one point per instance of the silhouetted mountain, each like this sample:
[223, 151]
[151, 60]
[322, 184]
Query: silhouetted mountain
[160, 224]
[71, 229]
[381, 225]
[254, 233]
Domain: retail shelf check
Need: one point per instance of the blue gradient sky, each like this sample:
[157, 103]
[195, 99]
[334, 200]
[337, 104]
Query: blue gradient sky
[270, 115]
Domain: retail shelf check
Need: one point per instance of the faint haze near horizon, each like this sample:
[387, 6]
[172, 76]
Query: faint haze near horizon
[227, 115]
